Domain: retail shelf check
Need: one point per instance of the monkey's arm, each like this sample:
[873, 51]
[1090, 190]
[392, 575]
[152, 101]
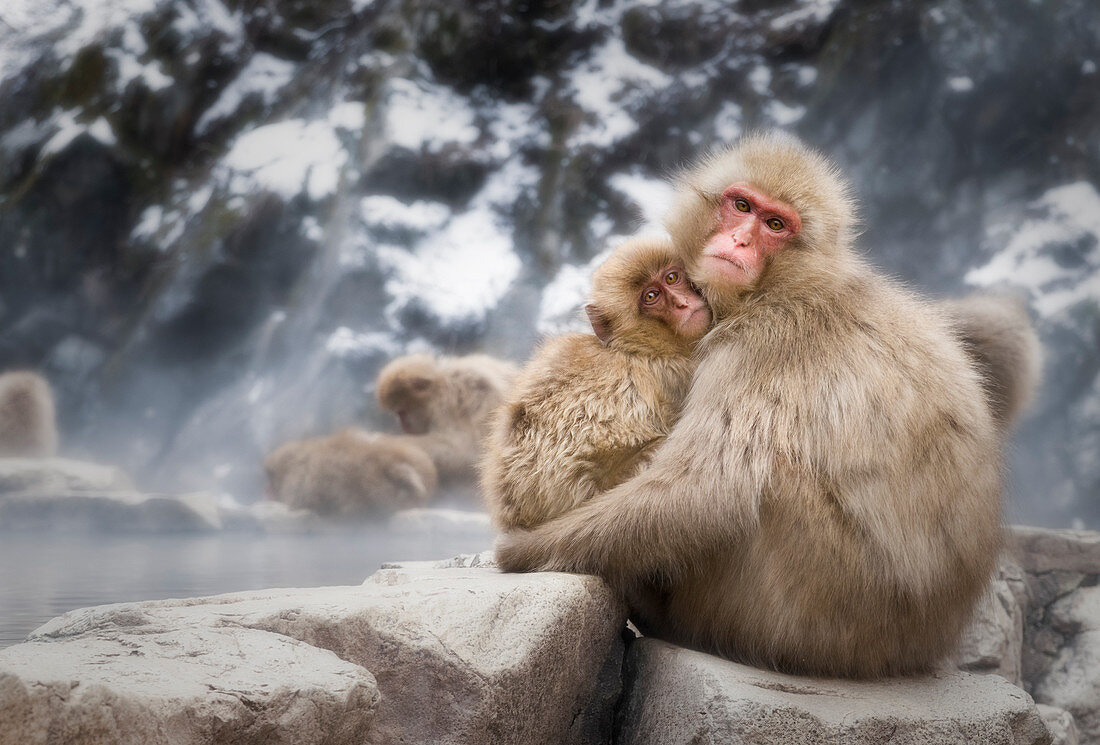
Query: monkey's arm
[700, 492]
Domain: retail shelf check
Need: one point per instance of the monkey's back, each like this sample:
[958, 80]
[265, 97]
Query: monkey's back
[580, 419]
[879, 518]
[353, 473]
[27, 415]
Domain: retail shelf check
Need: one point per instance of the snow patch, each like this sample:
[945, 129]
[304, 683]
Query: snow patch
[782, 114]
[960, 84]
[609, 85]
[344, 343]
[263, 77]
[652, 196]
[727, 122]
[563, 298]
[387, 212]
[1029, 257]
[460, 271]
[812, 12]
[422, 115]
[287, 158]
[68, 129]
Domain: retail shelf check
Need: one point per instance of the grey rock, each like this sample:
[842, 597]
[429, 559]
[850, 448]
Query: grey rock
[152, 685]
[461, 655]
[674, 695]
[994, 640]
[1044, 550]
[1060, 723]
[1072, 680]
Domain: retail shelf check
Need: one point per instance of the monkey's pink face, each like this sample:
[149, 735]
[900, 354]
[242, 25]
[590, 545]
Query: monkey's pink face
[670, 298]
[752, 227]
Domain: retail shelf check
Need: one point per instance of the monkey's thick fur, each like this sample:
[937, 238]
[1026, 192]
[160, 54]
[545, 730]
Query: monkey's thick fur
[999, 337]
[582, 417]
[445, 405]
[28, 426]
[351, 473]
[829, 501]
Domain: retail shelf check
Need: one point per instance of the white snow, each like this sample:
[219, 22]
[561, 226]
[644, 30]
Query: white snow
[1071, 216]
[68, 129]
[513, 126]
[651, 195]
[563, 298]
[460, 271]
[806, 75]
[345, 343]
[812, 11]
[760, 78]
[960, 84]
[782, 114]
[607, 86]
[387, 212]
[727, 122]
[264, 76]
[425, 115]
[287, 158]
[349, 115]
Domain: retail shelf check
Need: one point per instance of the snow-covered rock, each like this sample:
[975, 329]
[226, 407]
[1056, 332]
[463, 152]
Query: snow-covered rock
[674, 695]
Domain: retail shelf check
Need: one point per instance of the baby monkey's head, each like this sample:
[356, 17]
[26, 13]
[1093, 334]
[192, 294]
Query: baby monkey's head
[643, 301]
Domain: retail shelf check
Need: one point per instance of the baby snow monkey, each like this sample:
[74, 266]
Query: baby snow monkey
[587, 410]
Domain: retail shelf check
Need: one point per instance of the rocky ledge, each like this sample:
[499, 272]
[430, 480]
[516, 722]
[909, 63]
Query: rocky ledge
[457, 652]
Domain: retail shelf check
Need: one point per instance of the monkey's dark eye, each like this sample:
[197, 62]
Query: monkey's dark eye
[650, 297]
[775, 224]
[741, 205]
[672, 278]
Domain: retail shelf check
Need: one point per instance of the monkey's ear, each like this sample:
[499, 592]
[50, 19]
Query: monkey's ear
[600, 326]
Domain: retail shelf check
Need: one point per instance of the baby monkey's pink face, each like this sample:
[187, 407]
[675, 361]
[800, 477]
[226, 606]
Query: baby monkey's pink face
[752, 226]
[670, 298]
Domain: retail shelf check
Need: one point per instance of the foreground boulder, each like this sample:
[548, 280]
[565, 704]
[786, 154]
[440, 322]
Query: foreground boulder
[675, 695]
[460, 655]
[188, 685]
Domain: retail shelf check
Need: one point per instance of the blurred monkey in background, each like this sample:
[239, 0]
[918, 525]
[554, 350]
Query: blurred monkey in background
[351, 473]
[28, 421]
[444, 406]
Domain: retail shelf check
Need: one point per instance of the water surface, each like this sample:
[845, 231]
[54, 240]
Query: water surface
[44, 574]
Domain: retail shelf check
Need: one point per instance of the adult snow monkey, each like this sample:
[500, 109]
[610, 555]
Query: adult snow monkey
[829, 501]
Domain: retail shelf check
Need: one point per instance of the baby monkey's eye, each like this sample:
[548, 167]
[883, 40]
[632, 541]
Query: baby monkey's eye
[775, 224]
[651, 296]
[741, 205]
[672, 278]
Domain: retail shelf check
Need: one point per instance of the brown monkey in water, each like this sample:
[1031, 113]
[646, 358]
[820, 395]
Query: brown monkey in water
[444, 405]
[998, 336]
[351, 473]
[587, 410]
[829, 501]
[28, 421]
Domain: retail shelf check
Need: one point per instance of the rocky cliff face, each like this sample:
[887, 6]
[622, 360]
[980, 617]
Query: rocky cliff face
[217, 219]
